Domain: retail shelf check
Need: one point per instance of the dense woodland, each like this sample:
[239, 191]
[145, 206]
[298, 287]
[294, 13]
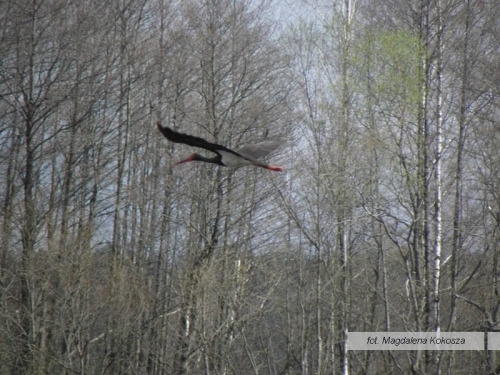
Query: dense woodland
[387, 217]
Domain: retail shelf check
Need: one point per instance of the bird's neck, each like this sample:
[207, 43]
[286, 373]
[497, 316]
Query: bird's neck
[214, 160]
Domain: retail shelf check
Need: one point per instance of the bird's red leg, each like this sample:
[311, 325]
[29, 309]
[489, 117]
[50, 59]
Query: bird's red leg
[274, 168]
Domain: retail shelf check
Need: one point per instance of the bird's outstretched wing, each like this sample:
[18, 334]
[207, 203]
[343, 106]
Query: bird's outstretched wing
[190, 140]
[261, 149]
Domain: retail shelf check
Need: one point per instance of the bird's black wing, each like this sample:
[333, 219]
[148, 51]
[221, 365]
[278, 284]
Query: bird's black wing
[191, 140]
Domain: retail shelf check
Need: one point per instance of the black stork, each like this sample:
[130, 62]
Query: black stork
[247, 155]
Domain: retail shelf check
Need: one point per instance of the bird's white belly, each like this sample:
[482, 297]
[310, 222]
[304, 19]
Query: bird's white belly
[233, 161]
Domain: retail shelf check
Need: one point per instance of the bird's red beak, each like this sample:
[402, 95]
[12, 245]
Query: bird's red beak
[189, 158]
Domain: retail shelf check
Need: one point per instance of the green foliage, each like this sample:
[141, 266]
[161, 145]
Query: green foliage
[396, 58]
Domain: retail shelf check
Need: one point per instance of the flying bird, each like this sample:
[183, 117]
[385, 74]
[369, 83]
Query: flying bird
[226, 157]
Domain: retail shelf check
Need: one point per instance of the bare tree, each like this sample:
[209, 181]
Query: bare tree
[386, 217]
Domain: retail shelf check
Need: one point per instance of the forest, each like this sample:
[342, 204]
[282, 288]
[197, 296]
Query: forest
[386, 217]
